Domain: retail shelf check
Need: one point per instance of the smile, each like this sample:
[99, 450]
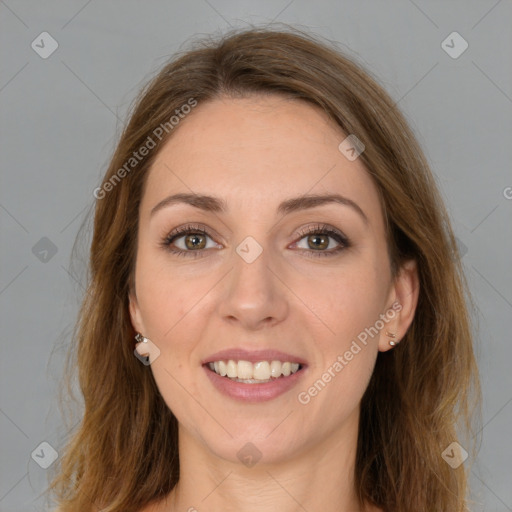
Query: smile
[253, 373]
[253, 382]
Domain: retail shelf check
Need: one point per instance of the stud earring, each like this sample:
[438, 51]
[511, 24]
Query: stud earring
[392, 341]
[140, 339]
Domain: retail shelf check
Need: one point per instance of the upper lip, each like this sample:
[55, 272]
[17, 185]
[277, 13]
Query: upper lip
[253, 356]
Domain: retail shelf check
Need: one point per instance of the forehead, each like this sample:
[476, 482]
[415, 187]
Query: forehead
[258, 151]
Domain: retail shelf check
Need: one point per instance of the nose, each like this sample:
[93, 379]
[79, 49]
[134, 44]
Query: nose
[255, 295]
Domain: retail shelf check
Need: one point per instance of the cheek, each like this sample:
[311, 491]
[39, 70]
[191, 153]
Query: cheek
[172, 303]
[347, 301]
[162, 297]
[169, 306]
[155, 301]
[345, 343]
[356, 305]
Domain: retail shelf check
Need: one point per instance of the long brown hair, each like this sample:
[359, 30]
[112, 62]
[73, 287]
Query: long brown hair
[422, 395]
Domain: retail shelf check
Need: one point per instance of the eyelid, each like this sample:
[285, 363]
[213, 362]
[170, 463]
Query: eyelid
[191, 228]
[323, 228]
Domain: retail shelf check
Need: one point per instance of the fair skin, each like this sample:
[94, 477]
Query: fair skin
[254, 153]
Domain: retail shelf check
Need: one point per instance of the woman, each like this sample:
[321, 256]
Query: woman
[276, 315]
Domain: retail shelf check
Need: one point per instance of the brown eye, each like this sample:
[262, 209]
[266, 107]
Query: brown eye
[318, 241]
[319, 238]
[187, 241]
[195, 241]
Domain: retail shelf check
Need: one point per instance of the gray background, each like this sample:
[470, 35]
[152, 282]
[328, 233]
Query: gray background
[61, 116]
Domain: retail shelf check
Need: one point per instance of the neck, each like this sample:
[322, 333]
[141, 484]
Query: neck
[318, 477]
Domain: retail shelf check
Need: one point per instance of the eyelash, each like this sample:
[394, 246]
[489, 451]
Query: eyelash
[318, 229]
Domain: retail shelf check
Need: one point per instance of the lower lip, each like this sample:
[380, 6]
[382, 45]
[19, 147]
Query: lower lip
[253, 392]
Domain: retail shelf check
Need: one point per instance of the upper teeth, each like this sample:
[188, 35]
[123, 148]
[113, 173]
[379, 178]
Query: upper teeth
[261, 370]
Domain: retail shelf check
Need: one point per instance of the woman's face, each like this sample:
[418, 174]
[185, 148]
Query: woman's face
[259, 287]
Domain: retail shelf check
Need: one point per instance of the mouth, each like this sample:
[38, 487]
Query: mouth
[260, 372]
[254, 381]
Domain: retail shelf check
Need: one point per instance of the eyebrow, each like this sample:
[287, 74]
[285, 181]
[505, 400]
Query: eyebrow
[217, 205]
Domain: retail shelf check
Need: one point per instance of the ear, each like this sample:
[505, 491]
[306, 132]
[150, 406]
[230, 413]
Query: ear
[403, 299]
[135, 313]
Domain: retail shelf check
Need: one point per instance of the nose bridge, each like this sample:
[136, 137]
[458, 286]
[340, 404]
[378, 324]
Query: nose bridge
[251, 273]
[254, 294]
